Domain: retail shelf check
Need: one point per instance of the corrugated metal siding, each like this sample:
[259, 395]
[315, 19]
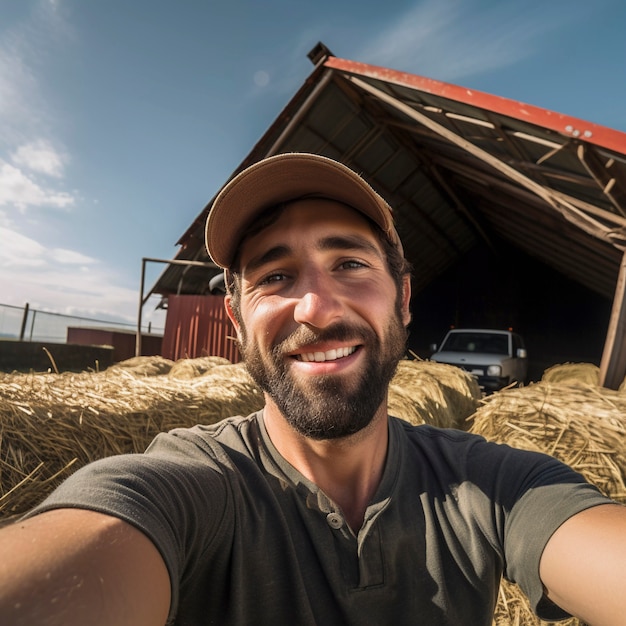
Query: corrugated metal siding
[198, 326]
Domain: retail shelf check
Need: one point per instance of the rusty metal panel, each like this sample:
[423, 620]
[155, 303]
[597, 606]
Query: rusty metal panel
[122, 341]
[473, 99]
[198, 326]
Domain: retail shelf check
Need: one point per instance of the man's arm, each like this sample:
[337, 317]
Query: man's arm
[583, 566]
[72, 566]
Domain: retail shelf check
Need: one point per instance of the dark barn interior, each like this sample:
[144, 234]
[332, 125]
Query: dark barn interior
[561, 321]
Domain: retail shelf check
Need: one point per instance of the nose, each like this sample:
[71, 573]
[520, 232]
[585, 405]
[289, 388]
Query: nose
[320, 303]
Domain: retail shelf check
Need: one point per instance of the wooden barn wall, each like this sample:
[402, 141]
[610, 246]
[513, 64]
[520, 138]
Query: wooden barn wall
[198, 326]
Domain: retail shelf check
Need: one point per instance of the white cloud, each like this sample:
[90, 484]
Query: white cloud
[69, 290]
[18, 189]
[61, 280]
[20, 252]
[70, 257]
[39, 156]
[18, 94]
[24, 49]
[26, 121]
[452, 39]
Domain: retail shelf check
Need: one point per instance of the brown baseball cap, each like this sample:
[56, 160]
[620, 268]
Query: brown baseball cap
[283, 178]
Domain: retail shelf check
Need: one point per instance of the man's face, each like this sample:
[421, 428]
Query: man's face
[321, 326]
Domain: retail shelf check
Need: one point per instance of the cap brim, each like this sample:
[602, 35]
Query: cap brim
[279, 179]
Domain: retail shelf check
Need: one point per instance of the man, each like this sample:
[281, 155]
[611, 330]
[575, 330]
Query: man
[320, 509]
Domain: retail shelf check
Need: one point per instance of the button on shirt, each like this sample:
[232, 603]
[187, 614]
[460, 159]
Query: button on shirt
[335, 520]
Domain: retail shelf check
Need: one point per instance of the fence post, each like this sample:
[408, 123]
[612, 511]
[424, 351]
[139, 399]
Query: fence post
[24, 318]
[141, 288]
[32, 325]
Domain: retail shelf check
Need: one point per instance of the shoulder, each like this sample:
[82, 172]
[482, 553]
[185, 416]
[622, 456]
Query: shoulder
[205, 441]
[463, 444]
[468, 456]
[443, 441]
[182, 469]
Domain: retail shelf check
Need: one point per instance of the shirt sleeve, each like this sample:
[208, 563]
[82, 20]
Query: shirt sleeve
[534, 519]
[535, 494]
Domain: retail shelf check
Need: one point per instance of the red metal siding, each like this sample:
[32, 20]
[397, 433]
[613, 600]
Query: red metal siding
[198, 326]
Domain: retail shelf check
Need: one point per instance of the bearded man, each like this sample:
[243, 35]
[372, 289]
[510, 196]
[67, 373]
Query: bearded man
[320, 508]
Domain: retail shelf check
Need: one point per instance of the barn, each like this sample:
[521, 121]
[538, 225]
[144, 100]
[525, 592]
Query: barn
[512, 216]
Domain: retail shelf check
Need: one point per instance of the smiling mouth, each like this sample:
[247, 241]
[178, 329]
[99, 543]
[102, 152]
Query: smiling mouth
[329, 355]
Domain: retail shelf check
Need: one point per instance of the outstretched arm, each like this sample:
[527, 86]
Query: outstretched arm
[72, 566]
[583, 566]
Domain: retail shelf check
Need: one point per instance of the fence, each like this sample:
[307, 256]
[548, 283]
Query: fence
[29, 324]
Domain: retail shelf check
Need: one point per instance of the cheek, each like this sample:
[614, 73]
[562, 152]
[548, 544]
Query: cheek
[264, 320]
[375, 303]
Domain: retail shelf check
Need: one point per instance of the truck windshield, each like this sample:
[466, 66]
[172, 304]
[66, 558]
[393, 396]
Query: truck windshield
[486, 343]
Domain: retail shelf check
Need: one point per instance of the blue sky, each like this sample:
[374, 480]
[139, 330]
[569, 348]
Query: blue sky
[120, 119]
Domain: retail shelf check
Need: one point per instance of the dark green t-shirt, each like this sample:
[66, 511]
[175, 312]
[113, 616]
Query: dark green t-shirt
[248, 540]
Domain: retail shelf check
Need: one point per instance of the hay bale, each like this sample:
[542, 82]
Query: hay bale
[425, 392]
[232, 372]
[573, 374]
[191, 368]
[52, 424]
[582, 425]
[145, 365]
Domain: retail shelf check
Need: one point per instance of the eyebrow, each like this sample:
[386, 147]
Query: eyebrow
[273, 254]
[335, 242]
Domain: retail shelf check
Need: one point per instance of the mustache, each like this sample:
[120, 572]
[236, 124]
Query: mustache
[304, 336]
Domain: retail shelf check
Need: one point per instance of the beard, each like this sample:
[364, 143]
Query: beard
[328, 406]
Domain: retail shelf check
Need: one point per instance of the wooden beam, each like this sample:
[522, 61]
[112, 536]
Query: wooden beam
[599, 170]
[613, 364]
[571, 213]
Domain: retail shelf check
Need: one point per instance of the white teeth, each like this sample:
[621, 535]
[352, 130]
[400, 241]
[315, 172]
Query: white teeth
[331, 355]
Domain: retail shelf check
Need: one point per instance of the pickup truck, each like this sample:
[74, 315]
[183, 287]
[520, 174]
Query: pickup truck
[496, 358]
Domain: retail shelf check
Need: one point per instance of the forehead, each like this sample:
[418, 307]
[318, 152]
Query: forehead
[308, 219]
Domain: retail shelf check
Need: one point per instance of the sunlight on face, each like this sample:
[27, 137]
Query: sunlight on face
[321, 328]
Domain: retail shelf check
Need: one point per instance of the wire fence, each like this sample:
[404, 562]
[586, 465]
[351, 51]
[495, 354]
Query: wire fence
[28, 324]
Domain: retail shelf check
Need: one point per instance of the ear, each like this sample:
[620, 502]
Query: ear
[406, 299]
[231, 314]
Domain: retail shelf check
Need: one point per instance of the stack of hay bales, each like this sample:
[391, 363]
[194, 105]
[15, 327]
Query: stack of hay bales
[51, 424]
[577, 422]
[425, 392]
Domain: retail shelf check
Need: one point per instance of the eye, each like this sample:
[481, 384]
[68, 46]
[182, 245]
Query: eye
[276, 277]
[352, 264]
